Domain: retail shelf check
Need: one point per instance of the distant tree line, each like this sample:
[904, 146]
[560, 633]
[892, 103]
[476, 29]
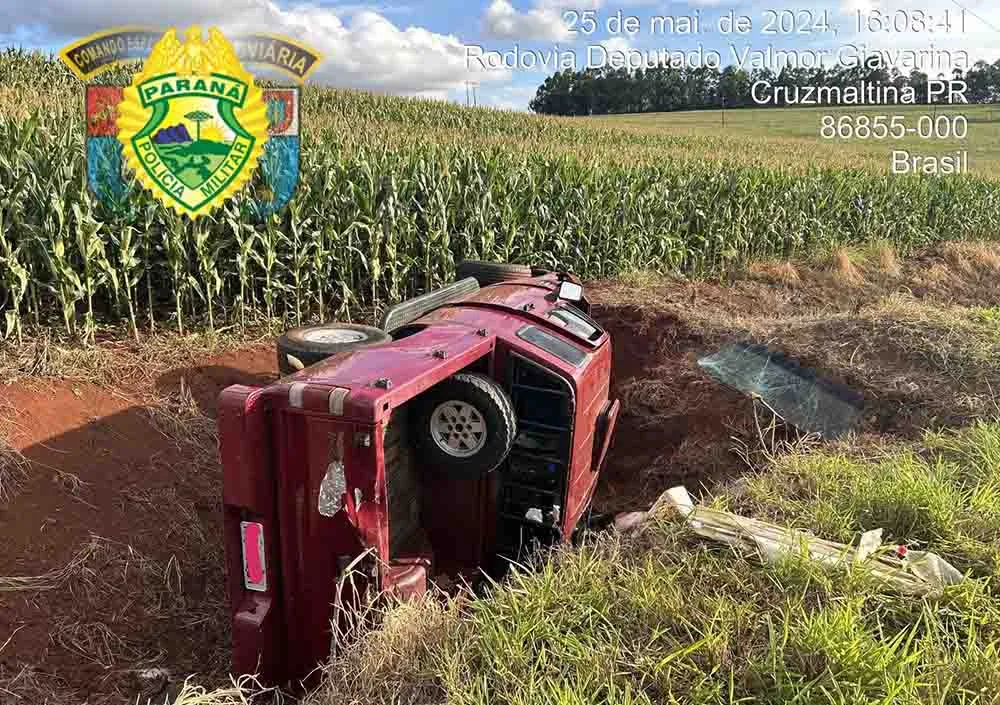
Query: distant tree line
[600, 91]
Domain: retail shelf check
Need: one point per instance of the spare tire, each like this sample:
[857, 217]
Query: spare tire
[464, 426]
[302, 347]
[487, 273]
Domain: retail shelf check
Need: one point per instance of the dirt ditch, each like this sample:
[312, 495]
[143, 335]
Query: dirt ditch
[112, 536]
[110, 502]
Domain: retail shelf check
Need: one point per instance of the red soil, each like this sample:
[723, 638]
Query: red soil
[105, 464]
[676, 423]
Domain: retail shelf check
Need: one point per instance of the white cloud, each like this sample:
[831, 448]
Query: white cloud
[508, 97]
[371, 52]
[361, 48]
[503, 21]
[617, 44]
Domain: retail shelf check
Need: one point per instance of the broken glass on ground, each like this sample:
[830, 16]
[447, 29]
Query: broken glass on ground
[791, 391]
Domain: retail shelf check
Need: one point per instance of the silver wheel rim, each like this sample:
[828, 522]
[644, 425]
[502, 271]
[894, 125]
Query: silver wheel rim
[458, 429]
[334, 335]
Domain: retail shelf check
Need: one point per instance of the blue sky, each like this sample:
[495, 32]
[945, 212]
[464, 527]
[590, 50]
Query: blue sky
[419, 47]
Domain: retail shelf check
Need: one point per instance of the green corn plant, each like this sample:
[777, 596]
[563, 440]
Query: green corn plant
[208, 284]
[129, 269]
[321, 266]
[388, 218]
[300, 258]
[16, 279]
[90, 248]
[245, 239]
[150, 233]
[352, 264]
[175, 246]
[65, 281]
[267, 256]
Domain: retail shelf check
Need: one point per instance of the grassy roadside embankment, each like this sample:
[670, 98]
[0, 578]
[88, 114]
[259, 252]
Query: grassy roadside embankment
[659, 616]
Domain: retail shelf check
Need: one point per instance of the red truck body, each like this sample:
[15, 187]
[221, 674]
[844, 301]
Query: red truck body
[345, 418]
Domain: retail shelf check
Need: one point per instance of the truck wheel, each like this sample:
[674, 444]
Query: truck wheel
[302, 347]
[487, 273]
[464, 426]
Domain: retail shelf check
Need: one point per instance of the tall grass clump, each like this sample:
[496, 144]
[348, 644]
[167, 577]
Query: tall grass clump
[393, 191]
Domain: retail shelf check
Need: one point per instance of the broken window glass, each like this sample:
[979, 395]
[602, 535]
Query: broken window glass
[792, 392]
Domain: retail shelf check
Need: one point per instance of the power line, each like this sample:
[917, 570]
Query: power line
[977, 16]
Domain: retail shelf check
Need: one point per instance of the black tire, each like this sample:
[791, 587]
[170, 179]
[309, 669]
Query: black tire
[496, 415]
[487, 273]
[306, 345]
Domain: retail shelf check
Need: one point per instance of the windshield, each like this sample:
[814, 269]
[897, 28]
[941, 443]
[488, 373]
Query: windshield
[793, 393]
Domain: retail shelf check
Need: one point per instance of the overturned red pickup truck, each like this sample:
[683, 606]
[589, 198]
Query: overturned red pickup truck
[469, 427]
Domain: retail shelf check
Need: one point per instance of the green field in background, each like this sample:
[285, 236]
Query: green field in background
[793, 134]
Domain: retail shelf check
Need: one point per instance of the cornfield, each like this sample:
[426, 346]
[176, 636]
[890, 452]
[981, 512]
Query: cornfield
[393, 192]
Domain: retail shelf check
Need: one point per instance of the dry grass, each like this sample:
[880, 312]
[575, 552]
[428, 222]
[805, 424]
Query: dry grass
[956, 257]
[118, 359]
[951, 339]
[77, 568]
[842, 268]
[242, 691]
[129, 611]
[944, 360]
[119, 597]
[28, 685]
[783, 273]
[14, 469]
[972, 256]
[937, 275]
[97, 642]
[179, 418]
[888, 263]
[396, 662]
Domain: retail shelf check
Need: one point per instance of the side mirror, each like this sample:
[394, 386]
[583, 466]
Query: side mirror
[570, 291]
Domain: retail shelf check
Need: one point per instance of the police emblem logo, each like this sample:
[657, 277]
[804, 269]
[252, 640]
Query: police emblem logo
[104, 152]
[193, 124]
[280, 163]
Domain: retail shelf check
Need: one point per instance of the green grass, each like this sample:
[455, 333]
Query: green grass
[945, 496]
[663, 617]
[794, 134]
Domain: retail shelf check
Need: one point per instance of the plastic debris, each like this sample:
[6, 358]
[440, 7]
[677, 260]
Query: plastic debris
[627, 521]
[918, 573]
